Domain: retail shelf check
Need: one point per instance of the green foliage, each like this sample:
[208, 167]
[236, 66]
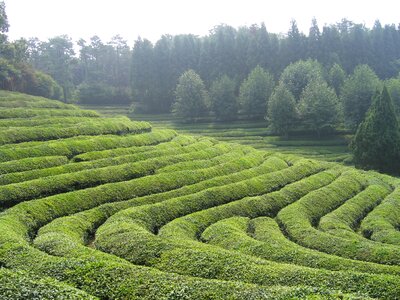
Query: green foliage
[319, 107]
[97, 126]
[102, 94]
[28, 164]
[376, 144]
[224, 102]
[382, 223]
[282, 112]
[336, 77]
[192, 99]
[356, 94]
[393, 86]
[21, 285]
[255, 92]
[298, 75]
[157, 215]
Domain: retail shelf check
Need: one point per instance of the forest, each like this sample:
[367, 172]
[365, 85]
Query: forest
[113, 73]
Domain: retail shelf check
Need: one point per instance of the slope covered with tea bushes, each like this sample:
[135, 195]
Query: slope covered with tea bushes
[109, 208]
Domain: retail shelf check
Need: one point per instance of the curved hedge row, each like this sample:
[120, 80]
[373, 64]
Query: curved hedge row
[129, 235]
[263, 238]
[344, 221]
[22, 286]
[34, 163]
[44, 121]
[176, 146]
[74, 146]
[383, 223]
[118, 126]
[41, 187]
[30, 112]
[157, 215]
[298, 220]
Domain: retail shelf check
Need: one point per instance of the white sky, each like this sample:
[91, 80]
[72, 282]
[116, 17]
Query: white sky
[152, 18]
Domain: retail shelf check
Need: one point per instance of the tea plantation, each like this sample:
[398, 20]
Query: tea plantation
[96, 207]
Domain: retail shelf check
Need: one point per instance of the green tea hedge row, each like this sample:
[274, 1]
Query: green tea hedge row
[121, 232]
[14, 193]
[66, 235]
[177, 146]
[263, 238]
[17, 285]
[129, 234]
[77, 145]
[118, 126]
[106, 154]
[383, 223]
[199, 164]
[120, 280]
[43, 121]
[6, 113]
[344, 221]
[35, 103]
[33, 163]
[298, 219]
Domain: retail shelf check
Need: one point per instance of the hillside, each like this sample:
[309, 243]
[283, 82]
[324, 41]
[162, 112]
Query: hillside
[97, 207]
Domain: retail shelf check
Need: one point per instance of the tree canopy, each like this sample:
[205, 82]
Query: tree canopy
[255, 92]
[376, 144]
[282, 112]
[192, 99]
[224, 102]
[357, 93]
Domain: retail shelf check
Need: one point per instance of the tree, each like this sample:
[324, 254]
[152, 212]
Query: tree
[393, 86]
[57, 59]
[336, 77]
[357, 93]
[142, 76]
[191, 97]
[319, 107]
[4, 25]
[223, 99]
[297, 75]
[376, 144]
[255, 92]
[282, 113]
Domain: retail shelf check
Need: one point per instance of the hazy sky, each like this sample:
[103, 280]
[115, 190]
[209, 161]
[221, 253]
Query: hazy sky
[152, 18]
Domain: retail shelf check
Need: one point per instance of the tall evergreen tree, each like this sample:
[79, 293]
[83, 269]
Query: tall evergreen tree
[376, 144]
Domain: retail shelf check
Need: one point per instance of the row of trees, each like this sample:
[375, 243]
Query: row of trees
[99, 72]
[16, 73]
[306, 96]
[235, 52]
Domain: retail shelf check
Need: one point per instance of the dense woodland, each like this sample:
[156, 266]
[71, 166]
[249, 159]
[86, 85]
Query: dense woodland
[246, 72]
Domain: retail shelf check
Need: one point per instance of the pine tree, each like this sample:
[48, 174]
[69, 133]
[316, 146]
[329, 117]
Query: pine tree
[376, 144]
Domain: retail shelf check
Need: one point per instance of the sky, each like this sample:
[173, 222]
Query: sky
[152, 18]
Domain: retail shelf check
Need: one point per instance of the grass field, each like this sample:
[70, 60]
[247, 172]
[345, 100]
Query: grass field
[127, 210]
[251, 133]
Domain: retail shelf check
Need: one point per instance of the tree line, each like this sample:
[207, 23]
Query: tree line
[97, 72]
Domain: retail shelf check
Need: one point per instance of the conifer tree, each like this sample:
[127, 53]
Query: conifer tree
[376, 144]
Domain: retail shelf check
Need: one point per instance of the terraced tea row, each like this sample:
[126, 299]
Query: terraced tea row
[150, 214]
